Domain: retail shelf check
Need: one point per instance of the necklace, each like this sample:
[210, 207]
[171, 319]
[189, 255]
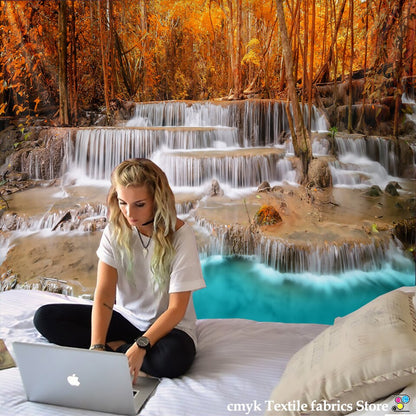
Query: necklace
[145, 246]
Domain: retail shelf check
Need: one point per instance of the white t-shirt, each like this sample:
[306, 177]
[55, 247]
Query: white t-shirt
[137, 299]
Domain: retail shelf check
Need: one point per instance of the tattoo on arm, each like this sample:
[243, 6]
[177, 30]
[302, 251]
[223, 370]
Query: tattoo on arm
[108, 306]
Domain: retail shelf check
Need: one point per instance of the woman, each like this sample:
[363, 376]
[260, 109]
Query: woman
[149, 266]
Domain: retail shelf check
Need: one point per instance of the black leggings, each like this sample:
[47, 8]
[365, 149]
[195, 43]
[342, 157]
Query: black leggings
[70, 325]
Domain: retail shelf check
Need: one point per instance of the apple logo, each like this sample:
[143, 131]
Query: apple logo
[73, 380]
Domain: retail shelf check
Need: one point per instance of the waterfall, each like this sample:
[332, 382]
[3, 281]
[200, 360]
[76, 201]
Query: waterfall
[4, 248]
[259, 122]
[178, 113]
[181, 126]
[322, 259]
[85, 218]
[375, 148]
[193, 155]
[79, 219]
[364, 162]
[240, 144]
[200, 138]
[320, 147]
[299, 258]
[97, 151]
[44, 162]
[228, 167]
[409, 99]
[413, 147]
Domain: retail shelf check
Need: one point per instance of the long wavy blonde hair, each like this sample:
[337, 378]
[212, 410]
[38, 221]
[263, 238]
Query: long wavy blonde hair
[143, 172]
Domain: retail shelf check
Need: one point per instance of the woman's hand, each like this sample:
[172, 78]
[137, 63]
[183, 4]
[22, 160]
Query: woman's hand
[178, 302]
[135, 356]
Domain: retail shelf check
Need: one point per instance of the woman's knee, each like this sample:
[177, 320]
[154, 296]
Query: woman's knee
[43, 316]
[64, 324]
[171, 357]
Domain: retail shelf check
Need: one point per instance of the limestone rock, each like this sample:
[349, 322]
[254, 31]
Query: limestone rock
[391, 189]
[216, 189]
[374, 191]
[42, 158]
[264, 187]
[405, 231]
[319, 173]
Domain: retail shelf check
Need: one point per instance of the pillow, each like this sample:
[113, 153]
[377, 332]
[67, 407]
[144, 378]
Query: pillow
[403, 401]
[367, 355]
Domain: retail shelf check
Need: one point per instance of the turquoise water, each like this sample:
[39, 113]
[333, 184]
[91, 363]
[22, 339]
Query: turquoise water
[243, 288]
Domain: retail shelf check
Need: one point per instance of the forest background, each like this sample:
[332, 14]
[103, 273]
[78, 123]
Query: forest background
[59, 59]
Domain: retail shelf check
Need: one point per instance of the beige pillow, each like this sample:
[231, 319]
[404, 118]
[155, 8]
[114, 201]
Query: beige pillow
[369, 354]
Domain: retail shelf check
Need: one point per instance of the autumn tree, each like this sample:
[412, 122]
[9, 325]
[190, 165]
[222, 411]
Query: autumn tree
[324, 72]
[350, 90]
[300, 138]
[103, 12]
[195, 49]
[62, 63]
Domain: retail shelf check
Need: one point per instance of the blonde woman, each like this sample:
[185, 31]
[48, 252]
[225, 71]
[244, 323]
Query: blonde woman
[148, 267]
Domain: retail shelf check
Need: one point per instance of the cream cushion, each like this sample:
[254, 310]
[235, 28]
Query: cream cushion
[390, 404]
[367, 355]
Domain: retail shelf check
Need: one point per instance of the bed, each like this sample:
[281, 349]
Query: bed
[238, 367]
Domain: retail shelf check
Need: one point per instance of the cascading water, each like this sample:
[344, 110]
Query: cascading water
[409, 99]
[228, 167]
[199, 142]
[168, 114]
[363, 162]
[76, 219]
[44, 162]
[182, 127]
[240, 145]
[260, 122]
[98, 151]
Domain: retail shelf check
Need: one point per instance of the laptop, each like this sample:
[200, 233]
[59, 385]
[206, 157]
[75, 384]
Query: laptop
[74, 377]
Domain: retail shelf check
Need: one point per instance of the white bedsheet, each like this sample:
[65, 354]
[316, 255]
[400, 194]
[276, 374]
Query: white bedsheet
[238, 361]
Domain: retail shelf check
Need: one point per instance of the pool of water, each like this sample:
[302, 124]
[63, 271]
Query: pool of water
[243, 288]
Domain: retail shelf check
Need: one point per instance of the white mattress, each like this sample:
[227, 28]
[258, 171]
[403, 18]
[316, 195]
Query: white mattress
[238, 361]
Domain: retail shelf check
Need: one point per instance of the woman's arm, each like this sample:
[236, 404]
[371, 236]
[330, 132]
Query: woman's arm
[178, 303]
[104, 298]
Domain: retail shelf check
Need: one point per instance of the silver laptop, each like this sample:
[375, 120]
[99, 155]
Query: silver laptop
[74, 377]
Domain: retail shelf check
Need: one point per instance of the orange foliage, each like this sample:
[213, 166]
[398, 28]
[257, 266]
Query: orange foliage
[181, 49]
[267, 215]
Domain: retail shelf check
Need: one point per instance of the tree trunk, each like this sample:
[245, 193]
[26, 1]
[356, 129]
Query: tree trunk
[238, 84]
[350, 96]
[234, 45]
[282, 75]
[398, 69]
[312, 53]
[230, 43]
[305, 49]
[295, 12]
[385, 26]
[360, 124]
[301, 140]
[344, 54]
[73, 73]
[62, 64]
[325, 33]
[104, 60]
[411, 41]
[324, 70]
[111, 49]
